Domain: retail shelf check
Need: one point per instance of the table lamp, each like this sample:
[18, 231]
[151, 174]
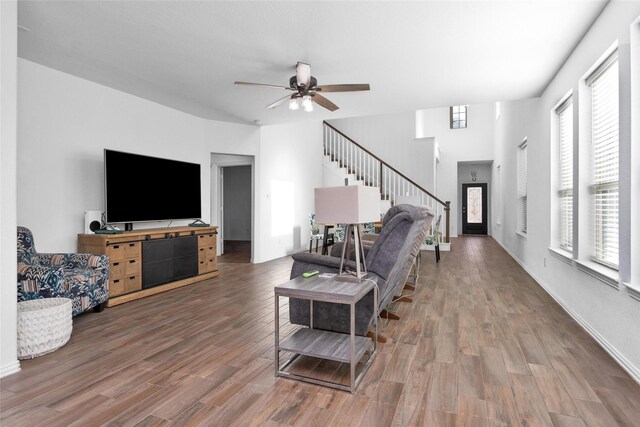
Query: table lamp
[352, 205]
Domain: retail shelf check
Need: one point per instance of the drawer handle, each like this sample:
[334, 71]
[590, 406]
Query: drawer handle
[116, 281]
[116, 247]
[131, 245]
[201, 262]
[132, 277]
[132, 261]
[116, 263]
[210, 247]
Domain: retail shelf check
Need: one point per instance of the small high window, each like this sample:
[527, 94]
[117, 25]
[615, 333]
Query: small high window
[458, 117]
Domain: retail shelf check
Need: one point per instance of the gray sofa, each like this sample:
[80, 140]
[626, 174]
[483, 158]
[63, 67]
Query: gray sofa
[388, 260]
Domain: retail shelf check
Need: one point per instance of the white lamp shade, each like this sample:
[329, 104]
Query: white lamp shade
[352, 204]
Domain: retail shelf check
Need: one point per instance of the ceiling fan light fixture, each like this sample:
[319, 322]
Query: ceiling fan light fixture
[305, 92]
[307, 103]
[294, 104]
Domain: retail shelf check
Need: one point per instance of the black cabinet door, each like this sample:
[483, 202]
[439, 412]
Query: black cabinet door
[168, 260]
[185, 257]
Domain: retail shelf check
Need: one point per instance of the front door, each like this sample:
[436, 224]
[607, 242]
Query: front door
[474, 208]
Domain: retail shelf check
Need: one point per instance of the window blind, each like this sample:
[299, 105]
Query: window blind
[605, 160]
[565, 164]
[522, 188]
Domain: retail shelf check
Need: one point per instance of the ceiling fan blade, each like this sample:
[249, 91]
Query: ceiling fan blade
[343, 88]
[279, 101]
[262, 85]
[324, 102]
[303, 74]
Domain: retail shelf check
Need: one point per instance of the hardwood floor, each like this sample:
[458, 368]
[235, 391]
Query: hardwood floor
[236, 251]
[481, 345]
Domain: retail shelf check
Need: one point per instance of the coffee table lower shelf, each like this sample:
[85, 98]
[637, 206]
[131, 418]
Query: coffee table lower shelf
[325, 345]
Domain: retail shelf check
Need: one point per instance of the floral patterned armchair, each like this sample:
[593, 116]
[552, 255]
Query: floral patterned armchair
[83, 278]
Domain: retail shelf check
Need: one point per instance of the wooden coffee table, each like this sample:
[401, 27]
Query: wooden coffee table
[346, 348]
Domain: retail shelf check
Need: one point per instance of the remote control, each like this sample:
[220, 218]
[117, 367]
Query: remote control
[310, 273]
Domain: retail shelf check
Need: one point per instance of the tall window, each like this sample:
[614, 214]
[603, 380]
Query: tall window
[499, 195]
[605, 160]
[458, 117]
[522, 187]
[565, 182]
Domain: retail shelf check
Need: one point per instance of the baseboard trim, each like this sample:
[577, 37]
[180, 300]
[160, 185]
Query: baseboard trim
[9, 369]
[632, 370]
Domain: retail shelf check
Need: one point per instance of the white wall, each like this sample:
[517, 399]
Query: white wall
[407, 142]
[291, 163]
[611, 315]
[390, 137]
[8, 108]
[332, 175]
[473, 144]
[237, 203]
[519, 120]
[64, 123]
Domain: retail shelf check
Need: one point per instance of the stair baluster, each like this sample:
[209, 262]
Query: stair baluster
[373, 171]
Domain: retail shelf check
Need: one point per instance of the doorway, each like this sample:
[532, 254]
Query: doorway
[232, 199]
[236, 213]
[474, 208]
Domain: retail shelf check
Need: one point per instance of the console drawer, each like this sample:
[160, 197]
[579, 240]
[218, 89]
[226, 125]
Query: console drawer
[116, 287]
[211, 252]
[212, 264]
[115, 252]
[132, 250]
[116, 270]
[202, 265]
[132, 267]
[205, 240]
[132, 283]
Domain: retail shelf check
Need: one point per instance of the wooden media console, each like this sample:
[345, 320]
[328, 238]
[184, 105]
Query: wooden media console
[149, 261]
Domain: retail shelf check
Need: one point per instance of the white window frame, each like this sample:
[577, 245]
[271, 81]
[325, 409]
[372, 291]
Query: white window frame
[458, 117]
[499, 195]
[521, 221]
[601, 244]
[564, 132]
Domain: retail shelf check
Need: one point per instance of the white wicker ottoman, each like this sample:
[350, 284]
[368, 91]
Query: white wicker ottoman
[44, 325]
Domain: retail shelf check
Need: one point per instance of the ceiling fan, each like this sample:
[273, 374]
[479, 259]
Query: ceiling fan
[306, 90]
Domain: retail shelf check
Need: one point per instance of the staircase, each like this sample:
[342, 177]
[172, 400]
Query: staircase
[356, 164]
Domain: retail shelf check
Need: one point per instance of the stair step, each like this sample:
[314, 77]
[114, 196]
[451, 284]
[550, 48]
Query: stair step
[353, 172]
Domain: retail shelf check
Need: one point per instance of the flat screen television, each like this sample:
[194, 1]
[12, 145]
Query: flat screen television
[144, 188]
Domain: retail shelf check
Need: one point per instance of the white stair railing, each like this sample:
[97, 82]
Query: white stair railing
[372, 171]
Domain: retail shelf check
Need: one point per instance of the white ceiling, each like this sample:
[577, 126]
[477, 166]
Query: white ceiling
[414, 54]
